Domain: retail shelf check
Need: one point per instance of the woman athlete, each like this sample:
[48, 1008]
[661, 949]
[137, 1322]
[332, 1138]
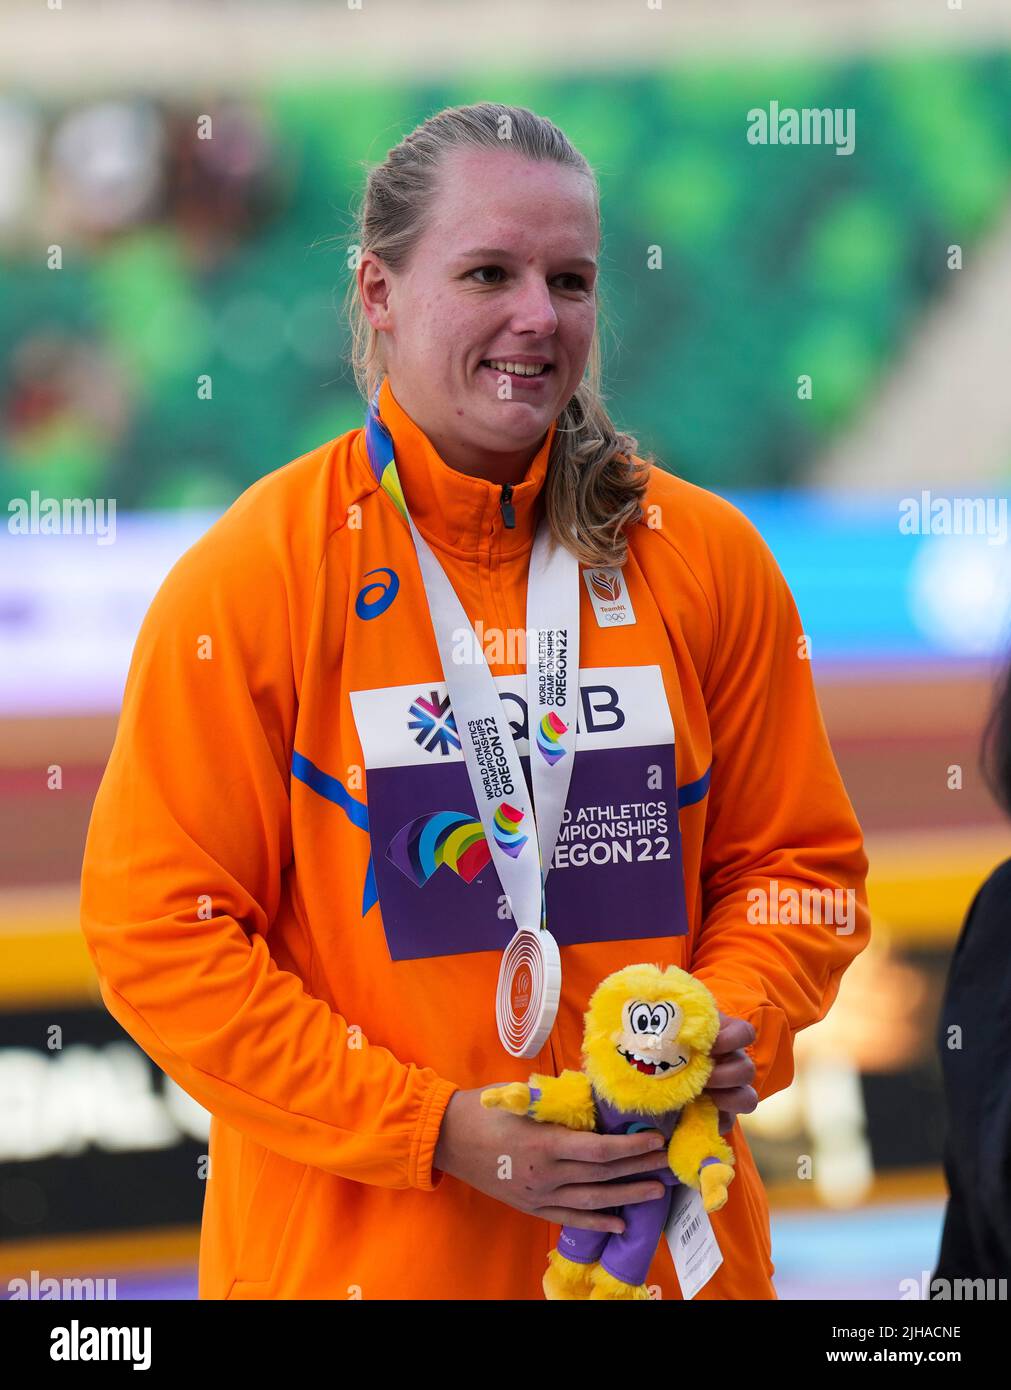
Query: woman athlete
[291, 892]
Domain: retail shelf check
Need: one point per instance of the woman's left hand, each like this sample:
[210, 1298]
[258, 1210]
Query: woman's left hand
[729, 1083]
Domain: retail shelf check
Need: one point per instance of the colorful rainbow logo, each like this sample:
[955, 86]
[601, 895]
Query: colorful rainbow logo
[441, 837]
[507, 834]
[549, 731]
[606, 586]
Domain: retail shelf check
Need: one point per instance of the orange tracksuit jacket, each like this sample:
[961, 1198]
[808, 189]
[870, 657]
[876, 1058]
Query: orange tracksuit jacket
[236, 865]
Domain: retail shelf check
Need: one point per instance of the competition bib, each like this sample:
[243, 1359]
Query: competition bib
[616, 870]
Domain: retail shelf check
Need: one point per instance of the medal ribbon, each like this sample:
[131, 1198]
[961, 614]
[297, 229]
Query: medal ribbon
[521, 843]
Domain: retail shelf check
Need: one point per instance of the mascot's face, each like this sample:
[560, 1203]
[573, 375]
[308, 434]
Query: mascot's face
[648, 1040]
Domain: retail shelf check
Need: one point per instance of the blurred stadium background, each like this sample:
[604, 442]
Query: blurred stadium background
[183, 256]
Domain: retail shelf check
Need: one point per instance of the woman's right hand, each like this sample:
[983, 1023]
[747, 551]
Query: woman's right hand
[561, 1175]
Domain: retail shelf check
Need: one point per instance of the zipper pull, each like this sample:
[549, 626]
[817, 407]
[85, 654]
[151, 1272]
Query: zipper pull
[508, 514]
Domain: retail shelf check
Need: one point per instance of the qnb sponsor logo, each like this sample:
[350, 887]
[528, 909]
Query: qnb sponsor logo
[431, 720]
[927, 515]
[818, 906]
[807, 125]
[430, 717]
[77, 1343]
[45, 1287]
[63, 516]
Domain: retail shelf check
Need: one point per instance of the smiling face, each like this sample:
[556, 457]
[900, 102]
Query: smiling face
[648, 1037]
[504, 274]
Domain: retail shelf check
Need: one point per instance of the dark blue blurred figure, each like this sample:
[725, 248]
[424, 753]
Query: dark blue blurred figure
[976, 1240]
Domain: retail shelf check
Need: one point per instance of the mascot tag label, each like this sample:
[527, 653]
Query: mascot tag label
[692, 1242]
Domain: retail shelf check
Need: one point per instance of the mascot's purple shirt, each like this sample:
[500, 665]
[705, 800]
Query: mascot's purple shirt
[627, 1256]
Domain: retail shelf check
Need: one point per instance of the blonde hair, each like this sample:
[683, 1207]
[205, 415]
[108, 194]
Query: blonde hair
[594, 486]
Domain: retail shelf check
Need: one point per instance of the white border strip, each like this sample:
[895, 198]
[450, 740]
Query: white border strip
[181, 45]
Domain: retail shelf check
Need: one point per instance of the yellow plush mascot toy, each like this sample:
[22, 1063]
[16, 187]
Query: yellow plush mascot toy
[646, 1061]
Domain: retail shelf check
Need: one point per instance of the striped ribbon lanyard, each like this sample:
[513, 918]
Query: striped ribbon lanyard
[521, 844]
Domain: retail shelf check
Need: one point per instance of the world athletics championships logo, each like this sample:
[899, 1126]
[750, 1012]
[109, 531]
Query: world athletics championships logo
[507, 835]
[549, 731]
[606, 586]
[441, 837]
[434, 722]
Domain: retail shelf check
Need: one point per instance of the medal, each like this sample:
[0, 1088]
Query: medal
[520, 844]
[529, 987]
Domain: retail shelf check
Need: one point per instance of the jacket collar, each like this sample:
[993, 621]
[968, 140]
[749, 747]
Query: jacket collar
[452, 510]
